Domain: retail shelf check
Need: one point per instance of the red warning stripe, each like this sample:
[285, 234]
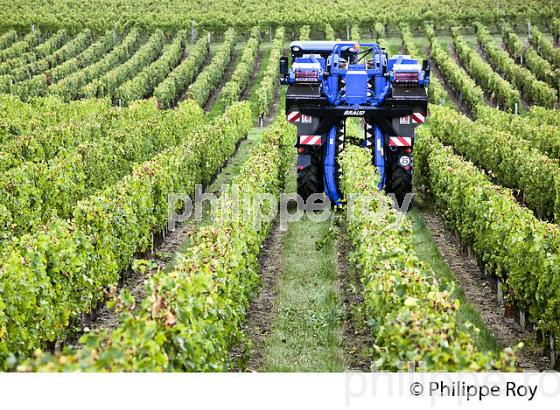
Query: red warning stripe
[294, 116]
[418, 118]
[400, 141]
[310, 140]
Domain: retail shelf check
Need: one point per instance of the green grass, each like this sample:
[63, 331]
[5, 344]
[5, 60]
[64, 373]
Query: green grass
[427, 250]
[307, 328]
[307, 334]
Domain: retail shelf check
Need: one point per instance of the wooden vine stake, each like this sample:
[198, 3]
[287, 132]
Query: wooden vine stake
[500, 292]
[552, 352]
[193, 31]
[522, 320]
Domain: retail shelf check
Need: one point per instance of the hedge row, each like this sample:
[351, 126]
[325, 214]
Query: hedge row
[143, 84]
[414, 323]
[25, 119]
[455, 77]
[192, 315]
[329, 33]
[545, 116]
[39, 141]
[170, 89]
[211, 76]
[231, 92]
[15, 54]
[39, 84]
[69, 49]
[71, 87]
[90, 55]
[304, 33]
[555, 29]
[33, 75]
[355, 33]
[51, 44]
[20, 60]
[529, 57]
[536, 91]
[7, 39]
[34, 192]
[509, 241]
[545, 47]
[543, 136]
[265, 93]
[505, 95]
[514, 163]
[51, 277]
[110, 81]
[436, 92]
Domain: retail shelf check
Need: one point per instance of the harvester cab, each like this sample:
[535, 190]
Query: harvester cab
[329, 82]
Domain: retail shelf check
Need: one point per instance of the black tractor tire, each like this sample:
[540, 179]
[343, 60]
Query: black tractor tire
[310, 179]
[399, 182]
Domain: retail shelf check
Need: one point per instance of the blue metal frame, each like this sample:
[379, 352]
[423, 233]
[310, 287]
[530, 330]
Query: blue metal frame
[379, 157]
[329, 167]
[351, 86]
[334, 96]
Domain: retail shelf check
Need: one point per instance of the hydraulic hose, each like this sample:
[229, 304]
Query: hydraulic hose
[329, 167]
